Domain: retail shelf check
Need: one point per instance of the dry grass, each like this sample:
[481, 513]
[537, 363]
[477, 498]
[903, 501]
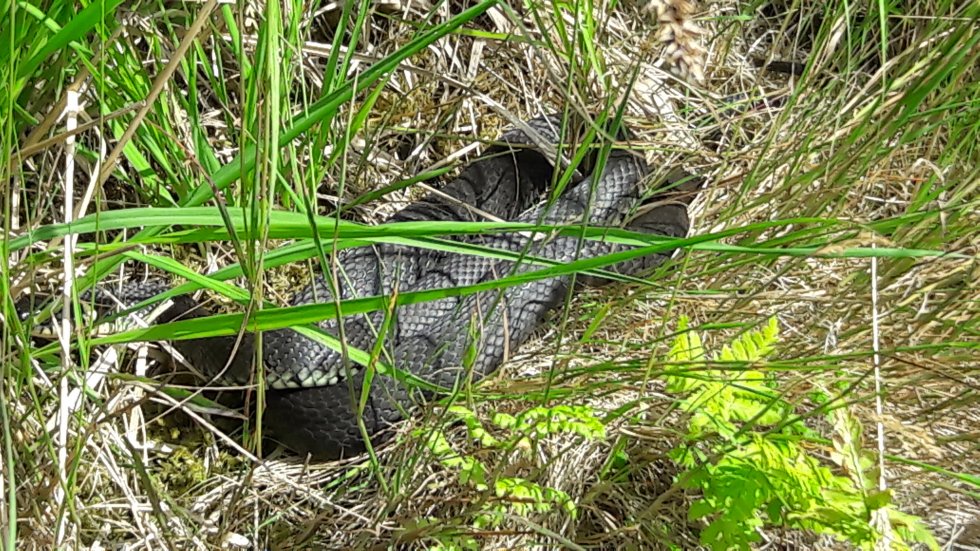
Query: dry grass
[148, 477]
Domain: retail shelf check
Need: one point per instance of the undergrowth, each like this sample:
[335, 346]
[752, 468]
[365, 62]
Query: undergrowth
[220, 142]
[750, 462]
[746, 453]
[512, 441]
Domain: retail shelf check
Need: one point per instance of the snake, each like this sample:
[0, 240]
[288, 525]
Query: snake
[316, 400]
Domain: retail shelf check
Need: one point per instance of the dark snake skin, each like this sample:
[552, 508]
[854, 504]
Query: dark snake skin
[449, 342]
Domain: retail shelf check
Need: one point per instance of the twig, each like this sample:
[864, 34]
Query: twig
[64, 336]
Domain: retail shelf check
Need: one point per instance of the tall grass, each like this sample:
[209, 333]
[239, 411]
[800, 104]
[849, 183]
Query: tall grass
[212, 133]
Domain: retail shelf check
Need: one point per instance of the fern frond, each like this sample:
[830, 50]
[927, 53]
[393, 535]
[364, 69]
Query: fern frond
[753, 345]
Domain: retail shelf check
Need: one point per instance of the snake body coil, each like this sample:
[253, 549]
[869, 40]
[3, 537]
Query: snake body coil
[310, 395]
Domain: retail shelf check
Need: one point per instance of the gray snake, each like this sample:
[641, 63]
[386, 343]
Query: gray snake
[311, 395]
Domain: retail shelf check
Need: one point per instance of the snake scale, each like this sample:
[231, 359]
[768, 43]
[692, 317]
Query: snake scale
[311, 395]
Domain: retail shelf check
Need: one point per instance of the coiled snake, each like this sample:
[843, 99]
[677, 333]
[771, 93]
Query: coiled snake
[311, 395]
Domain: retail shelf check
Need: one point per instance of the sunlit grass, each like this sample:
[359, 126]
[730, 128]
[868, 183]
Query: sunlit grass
[270, 128]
